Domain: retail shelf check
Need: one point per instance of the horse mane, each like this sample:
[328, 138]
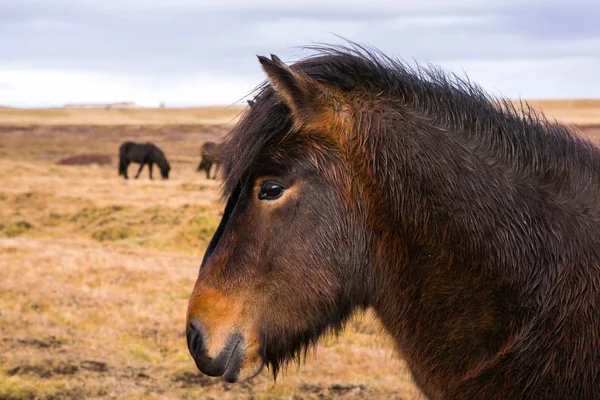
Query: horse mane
[513, 137]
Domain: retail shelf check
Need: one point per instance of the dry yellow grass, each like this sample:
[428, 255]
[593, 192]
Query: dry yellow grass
[574, 111]
[134, 116]
[95, 272]
[577, 112]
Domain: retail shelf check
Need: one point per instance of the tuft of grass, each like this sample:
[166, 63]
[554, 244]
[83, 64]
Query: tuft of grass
[193, 187]
[112, 233]
[141, 353]
[17, 228]
[16, 388]
[31, 387]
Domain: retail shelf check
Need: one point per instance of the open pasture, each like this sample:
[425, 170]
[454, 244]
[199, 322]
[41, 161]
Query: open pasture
[95, 272]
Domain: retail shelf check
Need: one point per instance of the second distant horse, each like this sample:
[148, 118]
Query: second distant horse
[209, 153]
[143, 154]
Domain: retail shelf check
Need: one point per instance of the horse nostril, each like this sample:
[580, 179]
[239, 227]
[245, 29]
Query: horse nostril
[229, 359]
[195, 339]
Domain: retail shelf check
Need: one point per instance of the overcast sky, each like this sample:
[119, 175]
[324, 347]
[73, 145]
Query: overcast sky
[192, 52]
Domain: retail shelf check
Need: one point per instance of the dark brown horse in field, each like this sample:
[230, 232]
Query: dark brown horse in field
[471, 228]
[143, 154]
[209, 155]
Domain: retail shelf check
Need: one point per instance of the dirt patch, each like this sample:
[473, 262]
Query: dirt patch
[138, 374]
[192, 379]
[46, 343]
[340, 389]
[44, 370]
[312, 389]
[94, 366]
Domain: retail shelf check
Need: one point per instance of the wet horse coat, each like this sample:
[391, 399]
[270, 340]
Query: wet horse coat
[470, 227]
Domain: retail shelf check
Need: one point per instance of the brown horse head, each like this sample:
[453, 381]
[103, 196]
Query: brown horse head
[468, 226]
[287, 261]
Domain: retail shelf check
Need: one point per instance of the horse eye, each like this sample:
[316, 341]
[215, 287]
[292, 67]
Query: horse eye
[270, 191]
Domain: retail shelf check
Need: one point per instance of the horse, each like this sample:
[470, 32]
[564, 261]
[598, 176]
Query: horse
[142, 153]
[209, 155]
[469, 224]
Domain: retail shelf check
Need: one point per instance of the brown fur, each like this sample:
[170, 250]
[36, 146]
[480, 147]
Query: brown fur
[471, 228]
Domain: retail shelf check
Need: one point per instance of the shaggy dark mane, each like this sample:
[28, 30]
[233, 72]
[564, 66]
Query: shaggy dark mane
[515, 138]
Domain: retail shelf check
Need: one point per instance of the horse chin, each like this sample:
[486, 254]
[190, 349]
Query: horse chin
[247, 371]
[250, 365]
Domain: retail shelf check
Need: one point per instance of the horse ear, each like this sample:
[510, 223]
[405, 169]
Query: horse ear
[312, 103]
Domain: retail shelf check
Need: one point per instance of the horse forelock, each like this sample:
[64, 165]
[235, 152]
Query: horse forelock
[265, 120]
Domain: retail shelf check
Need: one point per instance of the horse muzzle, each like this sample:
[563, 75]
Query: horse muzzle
[227, 363]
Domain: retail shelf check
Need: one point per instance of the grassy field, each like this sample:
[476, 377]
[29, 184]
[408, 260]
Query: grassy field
[579, 112]
[95, 272]
[132, 116]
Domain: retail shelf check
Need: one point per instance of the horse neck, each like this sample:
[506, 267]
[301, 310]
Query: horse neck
[442, 201]
[429, 201]
[158, 158]
[450, 210]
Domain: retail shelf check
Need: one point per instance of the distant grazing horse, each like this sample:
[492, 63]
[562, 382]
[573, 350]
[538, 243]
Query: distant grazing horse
[209, 155]
[142, 153]
[470, 227]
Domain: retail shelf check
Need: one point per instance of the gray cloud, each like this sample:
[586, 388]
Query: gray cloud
[163, 39]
